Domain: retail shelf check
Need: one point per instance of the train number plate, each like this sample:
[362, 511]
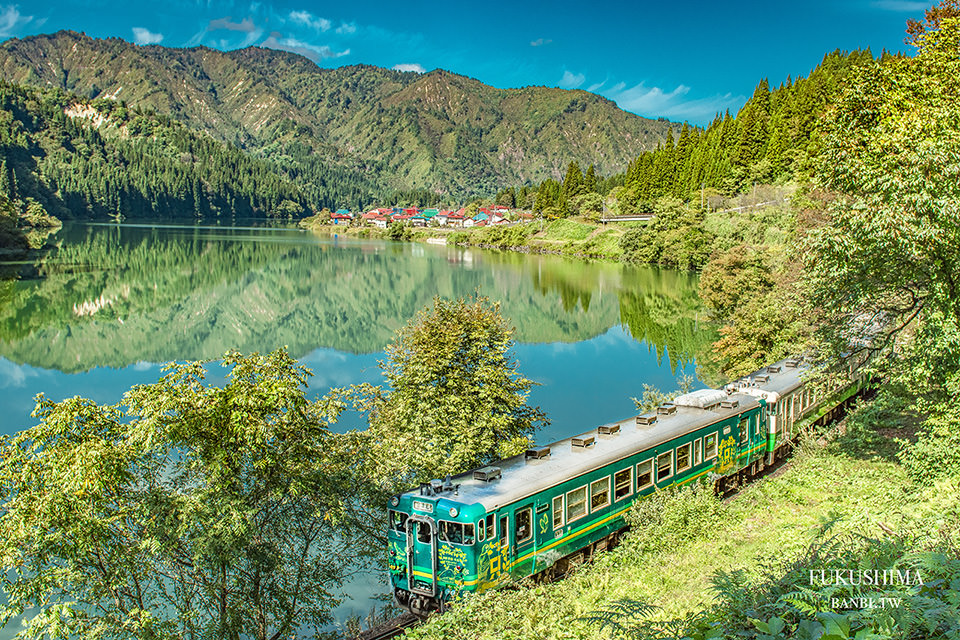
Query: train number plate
[423, 506]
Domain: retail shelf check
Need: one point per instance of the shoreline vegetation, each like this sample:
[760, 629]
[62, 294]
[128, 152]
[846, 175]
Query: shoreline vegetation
[586, 236]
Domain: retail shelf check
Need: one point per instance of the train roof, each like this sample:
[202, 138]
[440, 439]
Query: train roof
[773, 381]
[522, 477]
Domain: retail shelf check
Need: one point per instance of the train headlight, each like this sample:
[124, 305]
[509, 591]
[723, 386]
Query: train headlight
[394, 500]
[453, 512]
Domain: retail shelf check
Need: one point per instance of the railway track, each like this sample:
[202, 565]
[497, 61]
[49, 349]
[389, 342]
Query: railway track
[390, 628]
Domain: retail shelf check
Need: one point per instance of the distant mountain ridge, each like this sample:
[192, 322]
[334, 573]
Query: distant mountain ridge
[438, 131]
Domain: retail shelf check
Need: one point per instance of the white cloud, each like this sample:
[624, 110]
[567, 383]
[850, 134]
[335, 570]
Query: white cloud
[11, 19]
[307, 19]
[655, 102]
[145, 36]
[572, 80]
[539, 42]
[596, 86]
[246, 25]
[347, 28]
[12, 375]
[312, 51]
[900, 5]
[409, 66]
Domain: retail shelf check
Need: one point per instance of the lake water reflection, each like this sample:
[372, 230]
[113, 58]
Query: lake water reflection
[102, 312]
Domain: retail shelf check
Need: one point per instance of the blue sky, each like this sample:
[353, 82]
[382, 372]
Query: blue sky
[683, 61]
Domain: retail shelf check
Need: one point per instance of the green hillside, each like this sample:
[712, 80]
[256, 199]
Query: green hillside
[82, 158]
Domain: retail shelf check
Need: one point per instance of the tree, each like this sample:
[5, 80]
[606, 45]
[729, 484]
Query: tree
[888, 264]
[455, 400]
[886, 269]
[733, 277]
[591, 183]
[188, 511]
[573, 184]
[933, 16]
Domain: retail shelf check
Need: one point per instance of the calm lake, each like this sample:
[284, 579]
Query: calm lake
[114, 302]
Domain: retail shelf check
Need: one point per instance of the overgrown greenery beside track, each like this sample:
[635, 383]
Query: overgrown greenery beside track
[714, 569]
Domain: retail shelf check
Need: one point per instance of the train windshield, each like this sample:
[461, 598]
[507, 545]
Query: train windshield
[456, 533]
[398, 521]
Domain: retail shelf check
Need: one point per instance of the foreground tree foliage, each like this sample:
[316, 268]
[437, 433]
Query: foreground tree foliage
[192, 510]
[189, 511]
[886, 269]
[891, 254]
[455, 398]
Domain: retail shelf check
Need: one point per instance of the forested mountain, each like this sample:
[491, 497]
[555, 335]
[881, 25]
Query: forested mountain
[101, 159]
[437, 131]
[771, 138]
[773, 135]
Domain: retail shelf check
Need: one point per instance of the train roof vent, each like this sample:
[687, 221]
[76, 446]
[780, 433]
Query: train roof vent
[582, 442]
[730, 404]
[537, 453]
[702, 399]
[774, 368]
[667, 409]
[792, 363]
[608, 429]
[762, 378]
[646, 419]
[487, 474]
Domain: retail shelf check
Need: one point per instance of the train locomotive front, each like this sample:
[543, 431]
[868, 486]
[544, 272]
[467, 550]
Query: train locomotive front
[433, 542]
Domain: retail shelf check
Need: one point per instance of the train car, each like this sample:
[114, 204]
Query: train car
[793, 403]
[556, 505]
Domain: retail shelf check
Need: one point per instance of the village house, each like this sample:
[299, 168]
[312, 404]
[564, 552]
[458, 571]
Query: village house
[341, 216]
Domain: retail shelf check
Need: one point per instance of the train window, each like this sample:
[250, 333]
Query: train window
[490, 533]
[558, 512]
[622, 483]
[524, 525]
[664, 466]
[423, 532]
[481, 530]
[576, 503]
[398, 521]
[599, 493]
[504, 530]
[468, 533]
[710, 446]
[644, 474]
[683, 457]
[697, 452]
[744, 428]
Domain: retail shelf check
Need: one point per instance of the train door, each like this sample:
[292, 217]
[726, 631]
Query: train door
[422, 555]
[523, 530]
[504, 531]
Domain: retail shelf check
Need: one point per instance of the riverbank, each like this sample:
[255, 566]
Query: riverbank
[575, 237]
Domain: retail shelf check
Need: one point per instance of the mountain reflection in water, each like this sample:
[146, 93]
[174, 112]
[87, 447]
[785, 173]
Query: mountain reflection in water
[97, 314]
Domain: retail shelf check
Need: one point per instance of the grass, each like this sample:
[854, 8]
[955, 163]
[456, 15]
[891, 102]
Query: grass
[566, 231]
[669, 562]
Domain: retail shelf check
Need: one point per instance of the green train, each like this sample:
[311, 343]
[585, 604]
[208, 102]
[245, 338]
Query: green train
[555, 506]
